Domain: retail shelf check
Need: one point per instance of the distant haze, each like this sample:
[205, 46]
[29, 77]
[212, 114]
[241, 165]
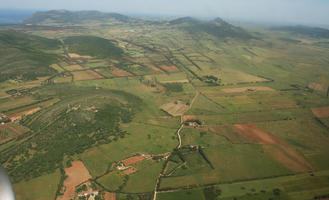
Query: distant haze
[278, 11]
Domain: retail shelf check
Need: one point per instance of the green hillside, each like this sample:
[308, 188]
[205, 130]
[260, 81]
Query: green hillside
[93, 46]
[313, 32]
[217, 27]
[64, 16]
[24, 56]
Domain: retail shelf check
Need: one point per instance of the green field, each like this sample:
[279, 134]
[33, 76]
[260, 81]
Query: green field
[144, 179]
[41, 188]
[112, 181]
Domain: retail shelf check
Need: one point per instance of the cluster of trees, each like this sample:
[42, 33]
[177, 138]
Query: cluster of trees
[63, 138]
[211, 193]
[173, 87]
[211, 80]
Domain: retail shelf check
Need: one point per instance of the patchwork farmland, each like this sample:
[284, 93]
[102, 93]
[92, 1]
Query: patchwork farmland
[168, 109]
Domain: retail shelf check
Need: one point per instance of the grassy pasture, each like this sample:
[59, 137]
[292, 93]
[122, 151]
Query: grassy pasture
[203, 105]
[58, 68]
[83, 75]
[7, 132]
[192, 136]
[302, 186]
[231, 163]
[66, 78]
[96, 63]
[152, 140]
[184, 194]
[145, 178]
[12, 103]
[105, 72]
[41, 188]
[174, 77]
[42, 104]
[299, 133]
[112, 181]
[95, 161]
[73, 67]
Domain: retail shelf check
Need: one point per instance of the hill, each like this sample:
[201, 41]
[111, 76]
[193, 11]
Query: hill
[217, 27]
[78, 17]
[93, 46]
[313, 32]
[23, 55]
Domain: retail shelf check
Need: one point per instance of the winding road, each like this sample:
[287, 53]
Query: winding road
[179, 145]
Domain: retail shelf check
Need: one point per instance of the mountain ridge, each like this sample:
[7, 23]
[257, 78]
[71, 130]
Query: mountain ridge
[77, 17]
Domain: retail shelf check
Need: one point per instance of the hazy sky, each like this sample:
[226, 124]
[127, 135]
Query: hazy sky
[297, 11]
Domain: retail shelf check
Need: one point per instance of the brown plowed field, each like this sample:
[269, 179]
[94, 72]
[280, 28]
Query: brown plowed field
[157, 69]
[169, 68]
[94, 74]
[132, 160]
[76, 175]
[277, 148]
[189, 117]
[109, 196]
[19, 115]
[131, 170]
[119, 72]
[322, 112]
[256, 135]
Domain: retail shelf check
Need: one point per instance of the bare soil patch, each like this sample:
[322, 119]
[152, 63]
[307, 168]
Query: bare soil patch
[176, 108]
[95, 75]
[129, 171]
[13, 129]
[317, 86]
[109, 196]
[244, 89]
[77, 56]
[157, 69]
[119, 72]
[277, 148]
[27, 112]
[165, 117]
[169, 68]
[256, 135]
[132, 160]
[322, 112]
[76, 175]
[189, 117]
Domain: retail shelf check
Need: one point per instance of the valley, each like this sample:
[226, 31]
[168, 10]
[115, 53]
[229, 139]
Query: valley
[108, 106]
